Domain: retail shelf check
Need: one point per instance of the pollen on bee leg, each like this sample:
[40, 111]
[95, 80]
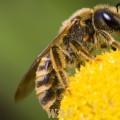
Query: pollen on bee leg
[82, 23]
[86, 38]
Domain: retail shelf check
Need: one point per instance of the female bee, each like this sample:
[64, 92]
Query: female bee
[84, 33]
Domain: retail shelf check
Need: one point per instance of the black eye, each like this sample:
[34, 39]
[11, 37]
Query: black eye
[111, 20]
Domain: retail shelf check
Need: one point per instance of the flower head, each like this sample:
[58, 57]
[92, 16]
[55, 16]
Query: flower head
[94, 91]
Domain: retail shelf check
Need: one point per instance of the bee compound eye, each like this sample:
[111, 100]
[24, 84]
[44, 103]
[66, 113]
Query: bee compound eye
[111, 20]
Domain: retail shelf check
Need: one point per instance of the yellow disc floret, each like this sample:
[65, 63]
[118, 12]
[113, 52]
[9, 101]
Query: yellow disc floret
[94, 91]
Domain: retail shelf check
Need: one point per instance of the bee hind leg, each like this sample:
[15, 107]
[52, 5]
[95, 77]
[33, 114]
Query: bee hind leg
[59, 65]
[81, 51]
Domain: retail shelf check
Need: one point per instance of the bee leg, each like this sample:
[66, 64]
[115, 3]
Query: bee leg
[80, 50]
[114, 44]
[59, 65]
[79, 64]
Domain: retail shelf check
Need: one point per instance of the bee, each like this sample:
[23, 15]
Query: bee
[85, 32]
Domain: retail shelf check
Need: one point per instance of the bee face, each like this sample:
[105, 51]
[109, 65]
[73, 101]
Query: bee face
[86, 31]
[106, 18]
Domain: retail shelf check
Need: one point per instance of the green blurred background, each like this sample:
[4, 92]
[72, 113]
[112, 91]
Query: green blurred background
[26, 28]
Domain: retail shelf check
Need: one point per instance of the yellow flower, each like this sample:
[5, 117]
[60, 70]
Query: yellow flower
[94, 91]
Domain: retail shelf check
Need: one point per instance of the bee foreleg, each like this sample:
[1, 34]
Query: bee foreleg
[113, 43]
[80, 50]
[59, 65]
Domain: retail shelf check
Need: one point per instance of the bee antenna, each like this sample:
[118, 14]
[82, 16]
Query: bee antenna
[117, 6]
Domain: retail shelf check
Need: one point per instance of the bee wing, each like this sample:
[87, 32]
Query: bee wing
[27, 83]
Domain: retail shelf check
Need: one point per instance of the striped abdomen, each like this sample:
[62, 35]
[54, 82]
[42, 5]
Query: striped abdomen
[47, 86]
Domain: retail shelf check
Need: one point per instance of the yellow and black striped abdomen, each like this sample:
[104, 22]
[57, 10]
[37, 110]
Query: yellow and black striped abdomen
[47, 85]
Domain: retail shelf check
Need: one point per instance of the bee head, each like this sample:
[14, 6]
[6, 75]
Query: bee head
[107, 18]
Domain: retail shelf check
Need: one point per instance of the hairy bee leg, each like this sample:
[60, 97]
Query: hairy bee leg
[80, 50]
[59, 65]
[113, 43]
